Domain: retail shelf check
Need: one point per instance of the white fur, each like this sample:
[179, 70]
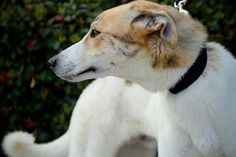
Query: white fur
[114, 120]
[21, 144]
[106, 121]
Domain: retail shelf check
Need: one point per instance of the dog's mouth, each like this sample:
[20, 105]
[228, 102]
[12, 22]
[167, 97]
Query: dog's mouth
[71, 77]
[91, 72]
[88, 70]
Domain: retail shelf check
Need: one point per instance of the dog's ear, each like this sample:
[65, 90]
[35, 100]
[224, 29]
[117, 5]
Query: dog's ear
[156, 22]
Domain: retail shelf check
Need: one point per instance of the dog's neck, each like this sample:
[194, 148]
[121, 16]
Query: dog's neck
[175, 80]
[193, 73]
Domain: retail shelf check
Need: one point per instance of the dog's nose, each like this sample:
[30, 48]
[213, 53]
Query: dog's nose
[52, 63]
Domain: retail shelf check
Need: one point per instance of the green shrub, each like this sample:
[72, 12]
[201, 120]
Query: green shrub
[32, 97]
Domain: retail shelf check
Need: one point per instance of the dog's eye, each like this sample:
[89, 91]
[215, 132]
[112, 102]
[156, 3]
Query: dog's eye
[94, 33]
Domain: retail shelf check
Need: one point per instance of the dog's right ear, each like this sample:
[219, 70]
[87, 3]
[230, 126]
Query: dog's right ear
[156, 22]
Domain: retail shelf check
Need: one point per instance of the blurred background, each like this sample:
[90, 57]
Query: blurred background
[32, 98]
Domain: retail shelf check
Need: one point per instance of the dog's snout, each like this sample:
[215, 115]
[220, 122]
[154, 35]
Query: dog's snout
[52, 63]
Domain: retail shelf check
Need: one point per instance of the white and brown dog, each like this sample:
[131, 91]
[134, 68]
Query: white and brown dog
[192, 111]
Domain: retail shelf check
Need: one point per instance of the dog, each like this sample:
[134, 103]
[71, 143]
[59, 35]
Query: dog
[192, 110]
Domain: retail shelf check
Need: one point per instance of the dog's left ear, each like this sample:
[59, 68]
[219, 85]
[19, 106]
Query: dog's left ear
[157, 22]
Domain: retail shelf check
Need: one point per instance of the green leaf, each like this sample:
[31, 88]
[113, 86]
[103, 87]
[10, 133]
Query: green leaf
[27, 1]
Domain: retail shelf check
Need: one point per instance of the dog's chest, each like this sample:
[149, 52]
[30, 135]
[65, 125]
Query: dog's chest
[187, 112]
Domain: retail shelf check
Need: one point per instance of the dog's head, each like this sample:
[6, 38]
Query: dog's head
[130, 40]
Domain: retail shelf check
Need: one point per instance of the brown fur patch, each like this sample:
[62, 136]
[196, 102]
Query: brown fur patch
[128, 82]
[98, 42]
[165, 61]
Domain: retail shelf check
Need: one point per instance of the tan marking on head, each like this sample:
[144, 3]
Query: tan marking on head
[181, 51]
[114, 21]
[98, 42]
[140, 5]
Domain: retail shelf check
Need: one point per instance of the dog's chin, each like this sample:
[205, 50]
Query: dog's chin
[77, 78]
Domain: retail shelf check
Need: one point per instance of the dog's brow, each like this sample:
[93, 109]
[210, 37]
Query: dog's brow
[97, 18]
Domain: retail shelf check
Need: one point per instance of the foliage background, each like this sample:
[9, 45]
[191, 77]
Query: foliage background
[31, 31]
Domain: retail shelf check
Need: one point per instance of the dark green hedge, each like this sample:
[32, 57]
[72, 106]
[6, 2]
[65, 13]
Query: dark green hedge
[32, 97]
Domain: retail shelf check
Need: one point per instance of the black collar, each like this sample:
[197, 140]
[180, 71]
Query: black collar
[192, 74]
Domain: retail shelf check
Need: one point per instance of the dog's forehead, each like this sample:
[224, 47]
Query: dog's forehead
[114, 20]
[118, 19]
